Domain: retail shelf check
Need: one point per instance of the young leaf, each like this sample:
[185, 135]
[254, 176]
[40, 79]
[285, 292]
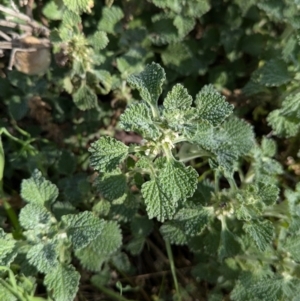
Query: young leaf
[178, 98]
[137, 117]
[82, 228]
[149, 83]
[62, 282]
[212, 106]
[107, 153]
[38, 190]
[260, 232]
[100, 80]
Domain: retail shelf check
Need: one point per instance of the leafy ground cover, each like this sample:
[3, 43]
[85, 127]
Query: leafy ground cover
[153, 154]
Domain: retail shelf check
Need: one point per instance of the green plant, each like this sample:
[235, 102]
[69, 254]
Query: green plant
[168, 132]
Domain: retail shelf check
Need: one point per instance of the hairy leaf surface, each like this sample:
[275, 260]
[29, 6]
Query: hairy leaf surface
[178, 98]
[38, 190]
[212, 106]
[62, 282]
[112, 185]
[138, 118]
[260, 232]
[149, 82]
[82, 228]
[35, 217]
[43, 256]
[107, 153]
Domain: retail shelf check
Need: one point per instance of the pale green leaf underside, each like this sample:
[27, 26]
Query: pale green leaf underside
[90, 259]
[62, 282]
[82, 228]
[149, 82]
[38, 190]
[107, 153]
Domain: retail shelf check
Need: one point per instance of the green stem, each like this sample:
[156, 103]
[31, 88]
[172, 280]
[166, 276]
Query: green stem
[25, 144]
[112, 294]
[173, 269]
[167, 151]
[12, 290]
[13, 219]
[232, 183]
[216, 174]
[154, 110]
[137, 148]
[202, 177]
